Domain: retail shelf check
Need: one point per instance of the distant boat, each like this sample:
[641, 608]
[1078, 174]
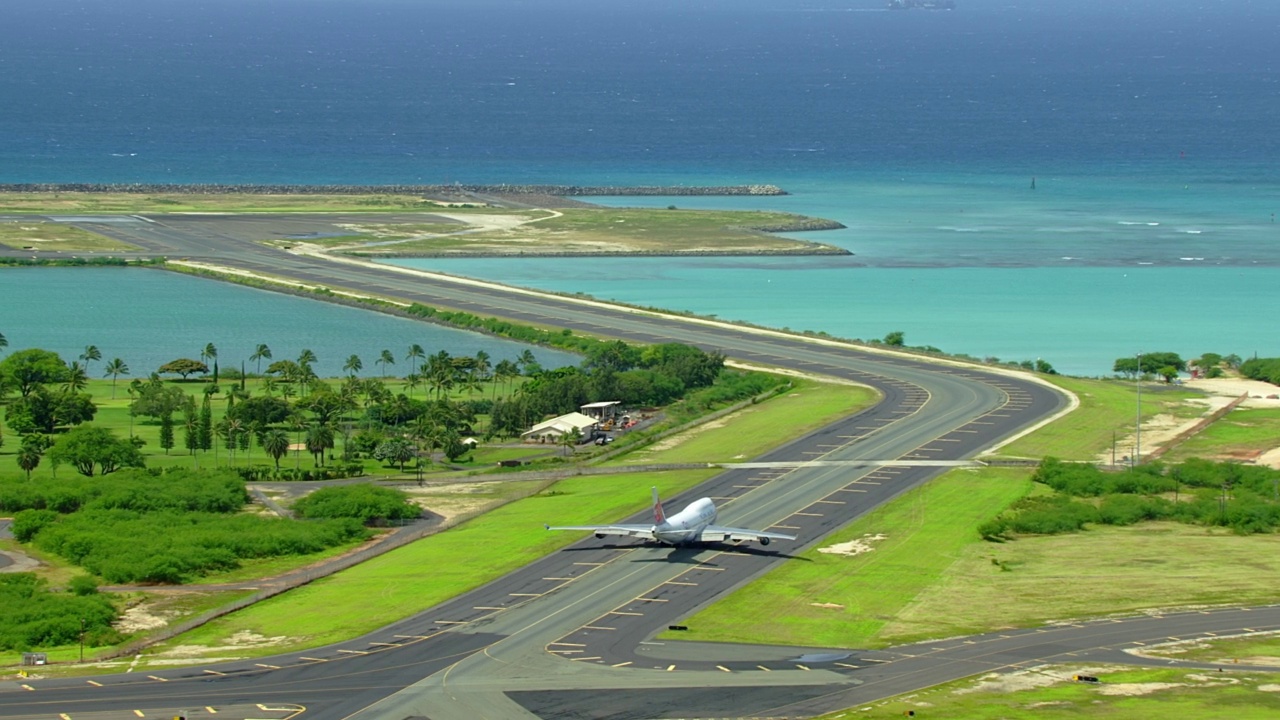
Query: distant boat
[922, 5]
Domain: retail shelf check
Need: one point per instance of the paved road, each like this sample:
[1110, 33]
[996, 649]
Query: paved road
[569, 635]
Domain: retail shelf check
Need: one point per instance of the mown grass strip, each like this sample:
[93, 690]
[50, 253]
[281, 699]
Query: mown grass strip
[754, 430]
[822, 599]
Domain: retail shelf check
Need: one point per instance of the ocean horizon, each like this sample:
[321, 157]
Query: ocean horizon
[1147, 127]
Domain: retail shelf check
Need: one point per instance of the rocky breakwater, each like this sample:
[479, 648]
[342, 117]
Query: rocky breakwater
[430, 190]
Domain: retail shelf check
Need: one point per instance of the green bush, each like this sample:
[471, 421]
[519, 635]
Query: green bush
[34, 617]
[363, 502]
[28, 523]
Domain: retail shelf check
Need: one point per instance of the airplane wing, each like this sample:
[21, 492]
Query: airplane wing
[638, 531]
[717, 533]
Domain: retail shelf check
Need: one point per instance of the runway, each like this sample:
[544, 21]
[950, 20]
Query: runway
[570, 636]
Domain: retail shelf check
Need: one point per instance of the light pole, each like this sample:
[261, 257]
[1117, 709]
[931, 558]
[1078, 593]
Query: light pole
[1137, 425]
[81, 640]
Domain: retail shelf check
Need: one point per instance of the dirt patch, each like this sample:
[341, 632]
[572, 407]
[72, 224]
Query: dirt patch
[144, 616]
[1269, 688]
[827, 606]
[1159, 430]
[450, 500]
[1136, 689]
[239, 642]
[854, 547]
[677, 439]
[1261, 394]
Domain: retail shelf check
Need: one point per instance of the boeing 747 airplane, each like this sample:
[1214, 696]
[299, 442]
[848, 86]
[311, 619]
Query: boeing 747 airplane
[690, 525]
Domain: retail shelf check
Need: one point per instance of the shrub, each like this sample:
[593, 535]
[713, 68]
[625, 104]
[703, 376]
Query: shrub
[366, 503]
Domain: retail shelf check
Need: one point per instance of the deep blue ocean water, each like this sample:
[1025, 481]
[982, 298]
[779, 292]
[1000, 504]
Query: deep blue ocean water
[1149, 127]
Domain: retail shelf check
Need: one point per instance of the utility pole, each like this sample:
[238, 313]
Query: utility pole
[82, 640]
[1137, 429]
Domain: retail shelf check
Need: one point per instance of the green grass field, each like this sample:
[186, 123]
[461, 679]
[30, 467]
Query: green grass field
[45, 236]
[1107, 410]
[753, 430]
[841, 601]
[1124, 693]
[1241, 435]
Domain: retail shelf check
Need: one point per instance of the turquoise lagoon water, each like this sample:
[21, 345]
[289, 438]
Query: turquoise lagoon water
[149, 317]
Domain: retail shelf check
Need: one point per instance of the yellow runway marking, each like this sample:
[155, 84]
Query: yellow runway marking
[670, 668]
[311, 659]
[138, 713]
[583, 659]
[853, 667]
[210, 710]
[724, 668]
[764, 668]
[802, 667]
[597, 627]
[64, 716]
[415, 637]
[214, 672]
[622, 664]
[452, 622]
[382, 644]
[353, 652]
[264, 665]
[592, 564]
[157, 679]
[94, 683]
[27, 687]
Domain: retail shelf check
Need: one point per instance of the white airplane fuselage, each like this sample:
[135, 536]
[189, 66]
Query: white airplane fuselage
[687, 525]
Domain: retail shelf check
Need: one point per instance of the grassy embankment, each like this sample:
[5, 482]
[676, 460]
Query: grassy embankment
[1049, 694]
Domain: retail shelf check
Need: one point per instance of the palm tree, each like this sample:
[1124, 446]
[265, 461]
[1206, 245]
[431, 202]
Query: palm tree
[411, 381]
[208, 353]
[415, 353]
[525, 359]
[385, 359]
[77, 378]
[4, 342]
[90, 354]
[319, 439]
[276, 444]
[353, 365]
[306, 357]
[262, 353]
[29, 458]
[115, 368]
[503, 372]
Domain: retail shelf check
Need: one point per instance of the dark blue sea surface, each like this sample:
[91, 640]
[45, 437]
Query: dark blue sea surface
[666, 90]
[1148, 126]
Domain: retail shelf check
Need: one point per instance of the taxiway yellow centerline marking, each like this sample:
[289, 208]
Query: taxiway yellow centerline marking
[64, 716]
[210, 710]
[157, 679]
[452, 622]
[138, 713]
[94, 683]
[670, 668]
[854, 667]
[786, 527]
[214, 672]
[764, 668]
[27, 687]
[622, 664]
[593, 564]
[415, 637]
[802, 667]
[264, 665]
[724, 668]
[584, 659]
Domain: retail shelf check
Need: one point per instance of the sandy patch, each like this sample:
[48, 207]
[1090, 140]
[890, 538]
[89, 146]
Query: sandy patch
[242, 640]
[143, 616]
[827, 606]
[854, 547]
[678, 438]
[1269, 688]
[1037, 677]
[451, 500]
[1159, 430]
[1135, 689]
[1257, 390]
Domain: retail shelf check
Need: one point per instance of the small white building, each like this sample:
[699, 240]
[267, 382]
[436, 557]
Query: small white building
[550, 431]
[607, 410]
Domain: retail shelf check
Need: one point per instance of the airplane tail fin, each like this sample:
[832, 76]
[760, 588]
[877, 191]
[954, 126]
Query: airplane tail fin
[659, 517]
